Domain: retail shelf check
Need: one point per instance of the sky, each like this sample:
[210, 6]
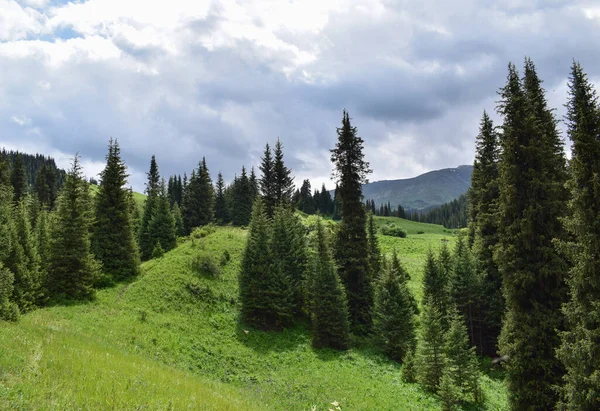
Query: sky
[185, 79]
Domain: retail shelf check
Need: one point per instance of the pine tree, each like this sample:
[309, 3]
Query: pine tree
[162, 226]
[283, 182]
[18, 178]
[461, 366]
[532, 200]
[267, 180]
[351, 249]
[254, 189]
[329, 309]
[113, 240]
[45, 185]
[435, 285]
[305, 201]
[221, 211]
[43, 242]
[198, 202]
[374, 251]
[242, 200]
[134, 212]
[9, 311]
[394, 322]
[265, 291]
[152, 187]
[23, 261]
[179, 227]
[464, 289]
[289, 252]
[72, 269]
[581, 340]
[429, 355]
[483, 226]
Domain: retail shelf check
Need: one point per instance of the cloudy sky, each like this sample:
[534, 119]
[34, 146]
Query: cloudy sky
[184, 79]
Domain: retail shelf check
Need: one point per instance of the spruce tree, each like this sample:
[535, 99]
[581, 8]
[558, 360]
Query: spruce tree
[242, 200]
[152, 187]
[394, 312]
[435, 285]
[267, 180]
[329, 309]
[198, 202]
[531, 202]
[72, 268]
[429, 355]
[374, 251]
[483, 226]
[43, 241]
[461, 366]
[351, 249]
[18, 178]
[113, 240]
[283, 182]
[581, 340]
[305, 201]
[9, 311]
[179, 227]
[288, 246]
[221, 211]
[162, 226]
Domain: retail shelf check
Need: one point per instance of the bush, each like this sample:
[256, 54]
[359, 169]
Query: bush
[158, 251]
[225, 258]
[204, 231]
[420, 232]
[204, 264]
[393, 231]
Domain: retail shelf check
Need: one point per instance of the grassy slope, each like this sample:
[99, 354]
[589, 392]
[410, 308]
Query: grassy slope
[171, 339]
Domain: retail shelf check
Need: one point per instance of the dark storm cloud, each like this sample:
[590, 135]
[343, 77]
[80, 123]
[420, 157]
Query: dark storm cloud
[414, 76]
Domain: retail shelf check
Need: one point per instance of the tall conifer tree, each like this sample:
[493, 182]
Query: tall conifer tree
[581, 340]
[162, 227]
[283, 182]
[113, 240]
[221, 211]
[351, 250]
[152, 187]
[72, 268]
[374, 250]
[532, 200]
[267, 180]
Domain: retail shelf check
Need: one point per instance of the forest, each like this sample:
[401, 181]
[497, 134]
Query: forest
[516, 285]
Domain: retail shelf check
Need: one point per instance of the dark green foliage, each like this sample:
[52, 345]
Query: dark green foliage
[179, 227]
[464, 290]
[483, 234]
[32, 164]
[134, 212]
[157, 251]
[162, 227]
[325, 202]
[337, 204]
[435, 284]
[152, 186]
[253, 183]
[581, 340]
[199, 198]
[265, 292]
[221, 209]
[205, 265]
[393, 231]
[18, 178]
[267, 180]
[329, 310]
[9, 311]
[113, 239]
[72, 269]
[45, 185]
[305, 201]
[429, 355]
[531, 202]
[374, 250]
[409, 371]
[283, 182]
[393, 316]
[288, 246]
[451, 215]
[241, 200]
[43, 241]
[461, 366]
[351, 249]
[23, 261]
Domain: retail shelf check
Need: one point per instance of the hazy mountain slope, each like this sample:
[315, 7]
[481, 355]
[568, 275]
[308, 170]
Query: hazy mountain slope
[424, 191]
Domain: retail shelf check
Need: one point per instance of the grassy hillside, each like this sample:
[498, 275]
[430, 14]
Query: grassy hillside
[421, 192]
[171, 340]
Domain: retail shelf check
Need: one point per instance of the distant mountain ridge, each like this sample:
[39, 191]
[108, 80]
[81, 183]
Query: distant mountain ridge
[422, 192]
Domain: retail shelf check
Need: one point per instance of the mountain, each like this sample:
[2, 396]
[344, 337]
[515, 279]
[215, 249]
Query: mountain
[421, 192]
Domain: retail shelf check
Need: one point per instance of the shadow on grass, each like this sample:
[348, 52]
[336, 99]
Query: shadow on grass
[288, 339]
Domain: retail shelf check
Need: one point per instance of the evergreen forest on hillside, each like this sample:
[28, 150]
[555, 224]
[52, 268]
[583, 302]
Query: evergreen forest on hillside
[264, 293]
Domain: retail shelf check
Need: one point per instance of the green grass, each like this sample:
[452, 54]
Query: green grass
[171, 340]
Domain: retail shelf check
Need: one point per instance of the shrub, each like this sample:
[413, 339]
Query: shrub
[158, 251]
[393, 231]
[420, 232]
[204, 264]
[225, 258]
[204, 231]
